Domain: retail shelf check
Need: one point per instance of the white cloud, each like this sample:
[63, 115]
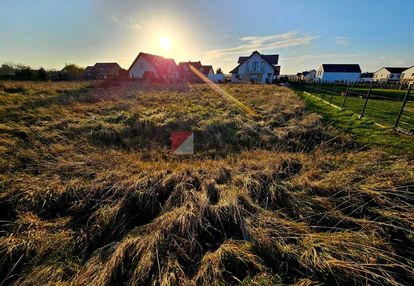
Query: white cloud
[342, 41]
[129, 23]
[265, 43]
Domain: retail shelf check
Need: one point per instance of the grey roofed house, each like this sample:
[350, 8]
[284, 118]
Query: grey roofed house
[256, 68]
[270, 59]
[103, 70]
[342, 68]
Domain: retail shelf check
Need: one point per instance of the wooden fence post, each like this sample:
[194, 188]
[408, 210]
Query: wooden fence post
[407, 94]
[366, 99]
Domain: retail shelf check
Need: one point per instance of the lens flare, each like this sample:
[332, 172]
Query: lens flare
[241, 106]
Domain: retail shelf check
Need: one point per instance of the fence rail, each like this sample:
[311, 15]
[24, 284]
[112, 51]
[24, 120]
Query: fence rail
[390, 107]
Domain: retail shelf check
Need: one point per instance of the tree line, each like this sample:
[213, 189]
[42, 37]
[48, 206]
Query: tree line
[10, 71]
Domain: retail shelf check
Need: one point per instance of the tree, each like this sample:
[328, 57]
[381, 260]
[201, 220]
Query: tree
[72, 71]
[24, 73]
[219, 71]
[42, 75]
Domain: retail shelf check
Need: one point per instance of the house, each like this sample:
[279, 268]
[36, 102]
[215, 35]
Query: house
[186, 73]
[408, 75]
[306, 75]
[217, 78]
[189, 75]
[89, 72]
[389, 74]
[256, 68]
[148, 66]
[103, 71]
[339, 73]
[206, 70]
[366, 77]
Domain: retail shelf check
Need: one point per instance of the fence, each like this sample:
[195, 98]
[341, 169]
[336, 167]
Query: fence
[387, 106]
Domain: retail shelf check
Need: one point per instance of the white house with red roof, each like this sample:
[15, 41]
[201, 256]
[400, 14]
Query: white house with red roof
[152, 66]
[256, 68]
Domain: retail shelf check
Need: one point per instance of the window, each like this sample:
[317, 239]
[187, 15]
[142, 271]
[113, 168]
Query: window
[247, 66]
[263, 64]
[255, 65]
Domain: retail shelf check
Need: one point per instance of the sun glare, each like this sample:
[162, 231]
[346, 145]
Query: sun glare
[165, 43]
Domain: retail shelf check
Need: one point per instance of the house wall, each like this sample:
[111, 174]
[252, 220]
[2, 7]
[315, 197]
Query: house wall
[310, 76]
[384, 75]
[408, 75]
[246, 70]
[172, 74]
[338, 76]
[217, 77]
[140, 67]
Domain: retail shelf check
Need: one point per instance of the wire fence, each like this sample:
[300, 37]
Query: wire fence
[391, 107]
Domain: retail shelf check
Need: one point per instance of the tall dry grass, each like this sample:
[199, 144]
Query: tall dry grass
[91, 194]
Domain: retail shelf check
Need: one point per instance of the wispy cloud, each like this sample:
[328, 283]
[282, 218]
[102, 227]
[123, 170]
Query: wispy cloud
[342, 41]
[265, 43]
[129, 23]
[304, 58]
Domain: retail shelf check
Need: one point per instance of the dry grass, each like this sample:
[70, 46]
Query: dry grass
[91, 194]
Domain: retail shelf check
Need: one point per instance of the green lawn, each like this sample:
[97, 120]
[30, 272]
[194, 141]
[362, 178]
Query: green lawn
[375, 92]
[361, 130]
[382, 111]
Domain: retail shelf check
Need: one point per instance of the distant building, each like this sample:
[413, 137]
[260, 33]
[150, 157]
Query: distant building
[408, 75]
[89, 72]
[206, 70]
[148, 66]
[389, 74]
[256, 68]
[189, 75]
[186, 73]
[103, 71]
[339, 73]
[217, 78]
[306, 75]
[366, 77]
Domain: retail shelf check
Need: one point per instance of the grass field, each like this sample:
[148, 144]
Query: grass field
[383, 111]
[90, 193]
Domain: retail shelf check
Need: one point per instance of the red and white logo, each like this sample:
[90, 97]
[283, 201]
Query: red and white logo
[182, 142]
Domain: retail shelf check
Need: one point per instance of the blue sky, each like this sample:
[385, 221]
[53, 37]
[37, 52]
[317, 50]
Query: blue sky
[305, 34]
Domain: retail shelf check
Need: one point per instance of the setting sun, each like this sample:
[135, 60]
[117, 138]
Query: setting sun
[165, 43]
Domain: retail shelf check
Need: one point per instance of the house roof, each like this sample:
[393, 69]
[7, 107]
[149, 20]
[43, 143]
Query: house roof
[270, 59]
[105, 67]
[197, 65]
[342, 68]
[367, 75]
[161, 64]
[206, 69]
[395, 69]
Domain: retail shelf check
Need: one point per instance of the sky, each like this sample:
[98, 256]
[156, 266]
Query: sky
[51, 33]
